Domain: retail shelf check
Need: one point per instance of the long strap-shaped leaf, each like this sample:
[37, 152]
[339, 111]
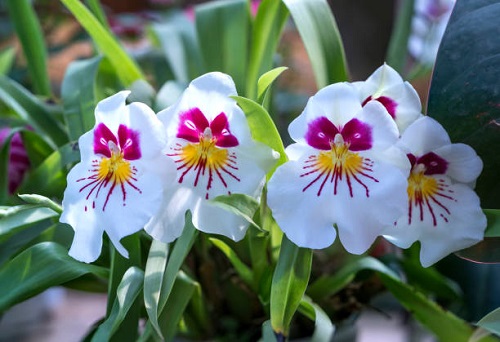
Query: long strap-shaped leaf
[30, 34]
[38, 268]
[321, 37]
[290, 280]
[126, 69]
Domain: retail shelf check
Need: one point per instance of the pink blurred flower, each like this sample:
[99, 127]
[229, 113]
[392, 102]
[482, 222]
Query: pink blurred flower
[18, 159]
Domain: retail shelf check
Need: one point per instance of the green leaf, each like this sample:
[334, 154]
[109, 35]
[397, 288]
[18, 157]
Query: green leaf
[41, 201]
[154, 274]
[97, 10]
[49, 179]
[182, 291]
[78, 95]
[323, 327]
[30, 34]
[266, 32]
[223, 29]
[491, 322]
[179, 252]
[263, 128]
[465, 93]
[243, 270]
[445, 325]
[267, 332]
[7, 57]
[321, 37]
[126, 69]
[36, 147]
[38, 268]
[126, 295]
[493, 228]
[239, 204]
[177, 38]
[398, 44]
[265, 82]
[32, 110]
[22, 215]
[326, 286]
[290, 280]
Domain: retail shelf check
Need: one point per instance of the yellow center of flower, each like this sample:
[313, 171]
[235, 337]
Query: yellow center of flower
[420, 186]
[339, 159]
[114, 169]
[339, 165]
[205, 153]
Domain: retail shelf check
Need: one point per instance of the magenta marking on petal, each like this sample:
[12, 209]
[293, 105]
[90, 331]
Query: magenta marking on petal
[220, 130]
[192, 125]
[389, 104]
[434, 164]
[358, 134]
[102, 135]
[129, 143]
[320, 133]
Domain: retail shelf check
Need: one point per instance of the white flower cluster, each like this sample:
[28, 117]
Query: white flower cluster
[365, 163]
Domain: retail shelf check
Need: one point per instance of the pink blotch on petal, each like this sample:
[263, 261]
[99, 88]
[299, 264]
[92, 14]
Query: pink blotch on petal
[102, 135]
[320, 133]
[129, 143]
[389, 104]
[358, 135]
[192, 124]
[220, 130]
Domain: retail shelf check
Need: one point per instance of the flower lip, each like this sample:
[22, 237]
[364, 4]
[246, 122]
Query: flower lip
[193, 125]
[389, 104]
[321, 134]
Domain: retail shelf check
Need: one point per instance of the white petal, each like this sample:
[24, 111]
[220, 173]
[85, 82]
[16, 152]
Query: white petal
[305, 218]
[169, 222]
[361, 219]
[423, 136]
[464, 165]
[143, 119]
[338, 102]
[384, 130]
[463, 226]
[111, 108]
[377, 83]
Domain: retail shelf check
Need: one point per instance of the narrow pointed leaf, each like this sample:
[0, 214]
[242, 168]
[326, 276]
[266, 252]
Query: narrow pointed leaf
[263, 128]
[7, 57]
[323, 326]
[126, 295]
[22, 215]
[266, 32]
[181, 294]
[32, 41]
[223, 35]
[153, 279]
[329, 285]
[32, 110]
[38, 268]
[321, 37]
[398, 44]
[265, 82]
[78, 95]
[290, 280]
[444, 324]
[126, 68]
[243, 270]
